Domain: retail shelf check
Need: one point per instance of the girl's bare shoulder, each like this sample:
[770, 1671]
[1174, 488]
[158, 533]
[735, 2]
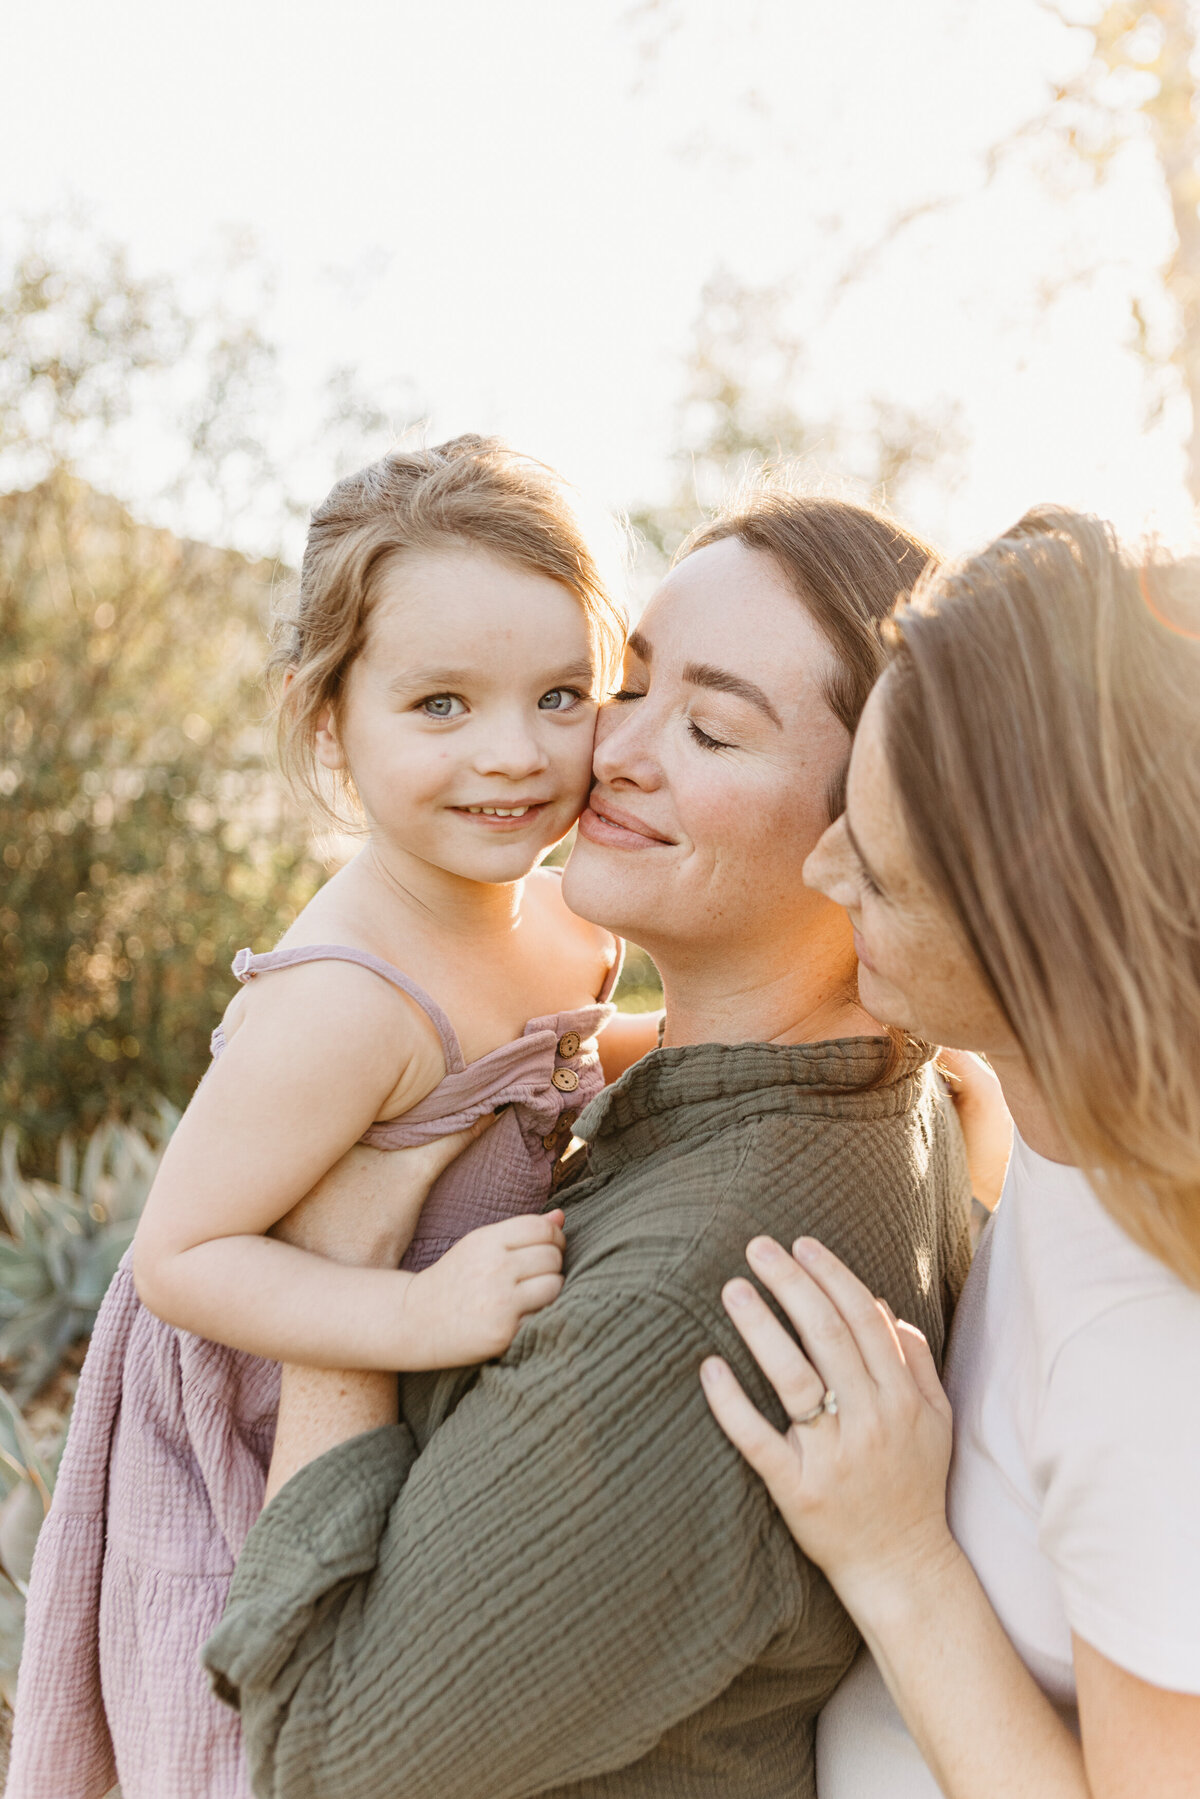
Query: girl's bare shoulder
[352, 1010]
[588, 947]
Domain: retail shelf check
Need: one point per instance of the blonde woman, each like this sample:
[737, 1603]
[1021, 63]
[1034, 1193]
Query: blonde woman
[1020, 857]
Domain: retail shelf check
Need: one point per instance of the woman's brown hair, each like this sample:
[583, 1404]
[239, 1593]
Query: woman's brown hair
[848, 565]
[1042, 721]
[471, 490]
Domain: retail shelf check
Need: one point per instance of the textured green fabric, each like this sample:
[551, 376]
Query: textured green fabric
[556, 1576]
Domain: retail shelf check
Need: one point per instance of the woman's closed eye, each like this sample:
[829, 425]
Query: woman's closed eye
[621, 695]
[705, 740]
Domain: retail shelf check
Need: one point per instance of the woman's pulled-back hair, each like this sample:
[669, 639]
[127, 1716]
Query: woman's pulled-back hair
[848, 564]
[1042, 722]
[471, 490]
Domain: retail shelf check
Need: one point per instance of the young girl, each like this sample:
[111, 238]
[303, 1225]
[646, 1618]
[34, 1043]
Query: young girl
[443, 666]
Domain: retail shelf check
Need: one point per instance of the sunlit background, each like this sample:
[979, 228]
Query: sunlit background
[945, 253]
[945, 219]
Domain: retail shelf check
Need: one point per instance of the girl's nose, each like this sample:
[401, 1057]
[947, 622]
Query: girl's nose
[511, 748]
[624, 746]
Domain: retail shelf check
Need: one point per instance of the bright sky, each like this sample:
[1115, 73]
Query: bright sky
[512, 205]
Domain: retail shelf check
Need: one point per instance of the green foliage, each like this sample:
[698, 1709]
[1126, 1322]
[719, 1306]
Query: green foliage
[64, 1241]
[28, 1469]
[143, 836]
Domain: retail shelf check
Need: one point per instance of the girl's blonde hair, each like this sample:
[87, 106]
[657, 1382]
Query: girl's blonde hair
[471, 490]
[1042, 720]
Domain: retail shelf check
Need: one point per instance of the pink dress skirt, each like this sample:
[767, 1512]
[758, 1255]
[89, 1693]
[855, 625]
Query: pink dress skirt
[170, 1441]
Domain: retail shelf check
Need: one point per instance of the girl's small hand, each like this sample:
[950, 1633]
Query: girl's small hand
[466, 1308]
[862, 1489]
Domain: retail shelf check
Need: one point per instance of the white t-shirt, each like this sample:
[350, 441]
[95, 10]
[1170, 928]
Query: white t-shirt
[1074, 1373]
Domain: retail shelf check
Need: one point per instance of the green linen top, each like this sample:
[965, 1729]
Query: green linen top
[555, 1575]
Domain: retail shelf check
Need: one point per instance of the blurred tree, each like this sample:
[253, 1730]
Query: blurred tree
[1134, 90]
[1138, 85]
[743, 410]
[142, 836]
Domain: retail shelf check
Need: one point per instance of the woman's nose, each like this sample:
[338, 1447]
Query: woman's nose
[624, 746]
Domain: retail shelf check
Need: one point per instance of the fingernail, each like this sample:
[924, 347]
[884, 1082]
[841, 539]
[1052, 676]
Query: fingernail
[764, 1249]
[806, 1249]
[738, 1293]
[711, 1371]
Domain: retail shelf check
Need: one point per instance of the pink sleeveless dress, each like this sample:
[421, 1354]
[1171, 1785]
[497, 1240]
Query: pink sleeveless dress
[166, 1460]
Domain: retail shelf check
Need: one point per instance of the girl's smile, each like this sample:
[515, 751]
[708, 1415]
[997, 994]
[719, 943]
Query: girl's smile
[466, 721]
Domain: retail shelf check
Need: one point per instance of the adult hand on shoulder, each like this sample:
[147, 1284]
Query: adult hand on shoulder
[860, 1476]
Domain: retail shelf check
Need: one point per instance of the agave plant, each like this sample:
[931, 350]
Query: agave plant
[65, 1239]
[28, 1468]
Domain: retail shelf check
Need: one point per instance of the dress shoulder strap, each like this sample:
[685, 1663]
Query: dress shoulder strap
[246, 965]
[614, 973]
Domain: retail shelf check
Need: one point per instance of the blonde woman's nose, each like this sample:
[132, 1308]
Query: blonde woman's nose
[830, 865]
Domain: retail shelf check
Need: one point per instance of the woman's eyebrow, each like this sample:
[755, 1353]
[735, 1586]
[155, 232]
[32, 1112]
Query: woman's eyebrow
[857, 848]
[723, 680]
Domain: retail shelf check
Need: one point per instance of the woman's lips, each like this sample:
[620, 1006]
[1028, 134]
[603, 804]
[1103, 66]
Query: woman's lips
[617, 830]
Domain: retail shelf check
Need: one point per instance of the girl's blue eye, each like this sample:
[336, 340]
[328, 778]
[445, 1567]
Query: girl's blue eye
[559, 699]
[442, 705]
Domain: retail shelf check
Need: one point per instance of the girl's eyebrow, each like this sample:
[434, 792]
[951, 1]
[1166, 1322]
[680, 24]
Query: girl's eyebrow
[857, 848]
[426, 680]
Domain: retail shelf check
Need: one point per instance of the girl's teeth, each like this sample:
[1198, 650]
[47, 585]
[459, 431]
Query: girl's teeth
[500, 811]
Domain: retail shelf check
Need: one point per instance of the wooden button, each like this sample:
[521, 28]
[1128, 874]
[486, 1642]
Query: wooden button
[565, 1079]
[553, 1138]
[568, 1045]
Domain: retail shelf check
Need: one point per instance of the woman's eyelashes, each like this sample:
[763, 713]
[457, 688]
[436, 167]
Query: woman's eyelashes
[704, 740]
[621, 694]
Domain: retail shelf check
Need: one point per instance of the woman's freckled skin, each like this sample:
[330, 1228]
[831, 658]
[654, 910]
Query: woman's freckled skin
[720, 776]
[915, 971]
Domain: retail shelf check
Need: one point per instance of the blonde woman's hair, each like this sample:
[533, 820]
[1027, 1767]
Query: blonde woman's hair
[1042, 721]
[471, 490]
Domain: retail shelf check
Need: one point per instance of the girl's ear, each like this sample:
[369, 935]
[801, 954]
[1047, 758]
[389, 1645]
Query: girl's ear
[326, 742]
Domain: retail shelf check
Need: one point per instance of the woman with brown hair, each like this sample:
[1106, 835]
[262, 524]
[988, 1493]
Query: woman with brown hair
[1018, 856]
[550, 1574]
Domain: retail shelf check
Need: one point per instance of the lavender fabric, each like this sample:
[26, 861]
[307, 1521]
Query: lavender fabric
[170, 1441]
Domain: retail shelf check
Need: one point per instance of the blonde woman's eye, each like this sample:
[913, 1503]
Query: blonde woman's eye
[442, 705]
[559, 699]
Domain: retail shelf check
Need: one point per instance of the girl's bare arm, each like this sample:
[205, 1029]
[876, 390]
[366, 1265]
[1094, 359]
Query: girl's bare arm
[309, 1068]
